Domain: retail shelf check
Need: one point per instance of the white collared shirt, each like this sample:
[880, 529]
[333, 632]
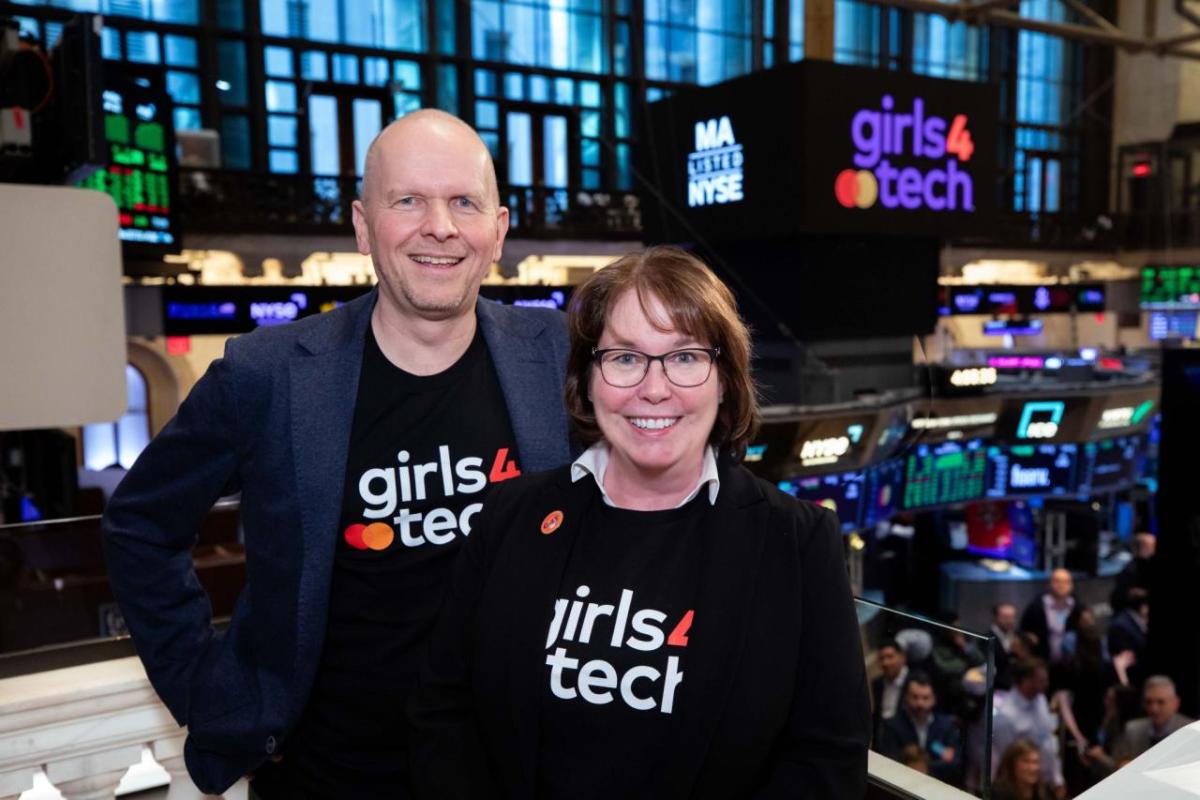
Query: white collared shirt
[594, 462]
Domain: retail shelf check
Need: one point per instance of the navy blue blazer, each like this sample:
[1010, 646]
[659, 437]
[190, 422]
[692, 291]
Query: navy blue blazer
[898, 732]
[272, 420]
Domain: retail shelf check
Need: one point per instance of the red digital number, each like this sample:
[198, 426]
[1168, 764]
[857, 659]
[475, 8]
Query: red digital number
[958, 141]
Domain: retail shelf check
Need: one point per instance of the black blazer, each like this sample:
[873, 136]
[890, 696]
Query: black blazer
[1034, 621]
[898, 732]
[775, 702]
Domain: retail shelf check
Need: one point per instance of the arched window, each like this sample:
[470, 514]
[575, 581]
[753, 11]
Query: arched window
[120, 442]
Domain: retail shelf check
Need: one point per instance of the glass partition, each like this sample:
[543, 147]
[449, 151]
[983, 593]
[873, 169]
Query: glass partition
[55, 596]
[931, 695]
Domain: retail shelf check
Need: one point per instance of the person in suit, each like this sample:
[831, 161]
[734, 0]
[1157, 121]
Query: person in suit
[653, 620]
[362, 441]
[918, 724]
[1051, 615]
[1127, 632]
[1161, 704]
[888, 687]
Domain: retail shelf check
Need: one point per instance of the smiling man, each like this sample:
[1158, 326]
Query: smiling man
[363, 442]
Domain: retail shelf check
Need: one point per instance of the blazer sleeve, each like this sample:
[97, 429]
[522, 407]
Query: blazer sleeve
[823, 753]
[151, 525]
[447, 756]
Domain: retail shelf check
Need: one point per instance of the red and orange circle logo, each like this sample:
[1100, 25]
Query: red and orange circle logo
[552, 521]
[376, 536]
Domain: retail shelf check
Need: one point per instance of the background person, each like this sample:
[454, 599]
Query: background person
[1051, 614]
[917, 723]
[1161, 704]
[1019, 774]
[653, 621]
[888, 687]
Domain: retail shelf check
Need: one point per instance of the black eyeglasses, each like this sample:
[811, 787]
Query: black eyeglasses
[623, 369]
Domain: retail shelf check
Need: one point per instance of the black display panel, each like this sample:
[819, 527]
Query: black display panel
[1112, 464]
[885, 491]
[199, 310]
[1170, 287]
[1025, 470]
[842, 493]
[817, 147]
[950, 472]
[1023, 299]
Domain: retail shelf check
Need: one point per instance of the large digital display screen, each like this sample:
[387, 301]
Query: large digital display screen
[140, 176]
[1170, 287]
[1024, 470]
[841, 492]
[837, 149]
[1173, 325]
[1111, 464]
[1023, 299]
[950, 472]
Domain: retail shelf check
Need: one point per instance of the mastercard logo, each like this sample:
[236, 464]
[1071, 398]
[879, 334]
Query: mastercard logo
[376, 536]
[856, 188]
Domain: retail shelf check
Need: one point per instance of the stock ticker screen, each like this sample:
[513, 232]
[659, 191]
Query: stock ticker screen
[841, 492]
[1111, 463]
[949, 472]
[141, 171]
[1170, 286]
[1023, 470]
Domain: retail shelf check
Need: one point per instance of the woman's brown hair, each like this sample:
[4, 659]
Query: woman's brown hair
[697, 303]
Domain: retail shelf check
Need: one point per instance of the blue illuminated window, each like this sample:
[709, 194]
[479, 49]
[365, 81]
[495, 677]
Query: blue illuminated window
[107, 444]
[796, 30]
[856, 33]
[392, 24]
[697, 41]
[181, 50]
[563, 34]
[948, 50]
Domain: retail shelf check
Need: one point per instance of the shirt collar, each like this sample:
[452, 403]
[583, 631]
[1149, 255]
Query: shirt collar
[594, 462]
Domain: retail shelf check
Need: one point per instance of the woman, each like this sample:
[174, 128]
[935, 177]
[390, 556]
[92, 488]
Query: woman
[1019, 776]
[652, 621]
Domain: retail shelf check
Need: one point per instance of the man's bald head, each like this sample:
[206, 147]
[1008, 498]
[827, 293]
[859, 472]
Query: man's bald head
[430, 124]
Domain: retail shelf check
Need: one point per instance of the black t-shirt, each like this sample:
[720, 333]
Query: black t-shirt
[423, 451]
[616, 651]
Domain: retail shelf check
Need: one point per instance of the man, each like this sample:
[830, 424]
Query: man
[1004, 624]
[1004, 629]
[1162, 719]
[1128, 632]
[888, 687]
[918, 724]
[1137, 573]
[1051, 615]
[1023, 713]
[362, 441]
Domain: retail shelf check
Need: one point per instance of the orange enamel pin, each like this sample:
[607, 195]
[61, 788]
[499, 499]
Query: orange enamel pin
[551, 522]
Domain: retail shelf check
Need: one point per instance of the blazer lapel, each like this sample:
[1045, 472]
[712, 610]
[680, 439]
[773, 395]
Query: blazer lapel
[717, 636]
[535, 587]
[324, 389]
[531, 377]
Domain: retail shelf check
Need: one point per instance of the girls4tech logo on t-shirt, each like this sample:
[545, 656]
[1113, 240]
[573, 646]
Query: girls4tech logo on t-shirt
[421, 503]
[627, 645]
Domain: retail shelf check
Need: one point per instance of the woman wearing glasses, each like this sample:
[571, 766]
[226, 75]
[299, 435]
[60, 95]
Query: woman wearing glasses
[653, 620]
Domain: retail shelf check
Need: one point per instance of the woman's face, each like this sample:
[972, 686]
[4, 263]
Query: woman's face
[1028, 769]
[655, 427]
